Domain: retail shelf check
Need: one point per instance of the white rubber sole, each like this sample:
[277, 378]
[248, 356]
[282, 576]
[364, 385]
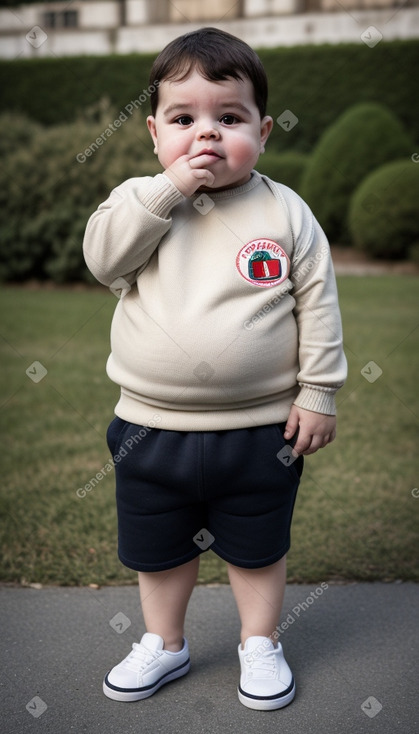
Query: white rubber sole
[121, 694]
[266, 704]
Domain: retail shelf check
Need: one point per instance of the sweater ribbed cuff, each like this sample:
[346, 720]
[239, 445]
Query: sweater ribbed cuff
[162, 196]
[317, 399]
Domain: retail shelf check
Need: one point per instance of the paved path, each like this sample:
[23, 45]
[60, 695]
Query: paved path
[349, 261]
[353, 650]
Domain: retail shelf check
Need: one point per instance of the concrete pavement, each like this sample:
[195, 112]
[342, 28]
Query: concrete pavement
[353, 650]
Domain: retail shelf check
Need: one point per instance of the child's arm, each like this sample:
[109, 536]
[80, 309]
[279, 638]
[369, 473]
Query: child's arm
[322, 363]
[124, 231]
[122, 234]
[316, 430]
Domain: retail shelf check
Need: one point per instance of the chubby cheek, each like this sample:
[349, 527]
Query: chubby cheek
[170, 150]
[244, 152]
[167, 155]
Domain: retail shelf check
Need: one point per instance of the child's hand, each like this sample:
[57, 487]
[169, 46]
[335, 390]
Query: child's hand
[316, 430]
[188, 175]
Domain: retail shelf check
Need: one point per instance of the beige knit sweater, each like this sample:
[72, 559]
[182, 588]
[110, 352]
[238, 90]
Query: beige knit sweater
[228, 311]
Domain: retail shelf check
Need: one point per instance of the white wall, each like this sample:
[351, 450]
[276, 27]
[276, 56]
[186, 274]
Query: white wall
[204, 12]
[96, 14]
[271, 7]
[19, 41]
[137, 13]
[285, 31]
[20, 18]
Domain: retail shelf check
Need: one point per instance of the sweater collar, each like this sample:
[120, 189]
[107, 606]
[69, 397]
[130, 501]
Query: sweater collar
[255, 179]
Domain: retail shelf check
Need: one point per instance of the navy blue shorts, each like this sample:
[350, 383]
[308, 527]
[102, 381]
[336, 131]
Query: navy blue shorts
[180, 493]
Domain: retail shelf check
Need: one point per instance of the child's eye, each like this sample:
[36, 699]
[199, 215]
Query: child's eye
[229, 119]
[184, 120]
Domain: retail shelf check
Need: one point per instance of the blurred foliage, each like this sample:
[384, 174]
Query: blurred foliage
[363, 138]
[17, 131]
[317, 83]
[47, 194]
[383, 214]
[287, 168]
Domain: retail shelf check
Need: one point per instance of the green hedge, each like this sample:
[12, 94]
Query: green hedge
[383, 215]
[317, 83]
[365, 137]
[287, 168]
[52, 184]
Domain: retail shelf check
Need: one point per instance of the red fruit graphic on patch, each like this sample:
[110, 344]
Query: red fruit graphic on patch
[262, 267]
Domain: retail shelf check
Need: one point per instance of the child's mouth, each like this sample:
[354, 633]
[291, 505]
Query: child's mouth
[207, 151]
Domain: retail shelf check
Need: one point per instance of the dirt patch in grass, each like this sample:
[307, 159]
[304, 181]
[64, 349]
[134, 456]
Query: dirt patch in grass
[348, 261]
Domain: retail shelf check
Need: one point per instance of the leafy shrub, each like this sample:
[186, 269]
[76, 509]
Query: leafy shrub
[51, 185]
[363, 138]
[383, 215]
[287, 168]
[17, 131]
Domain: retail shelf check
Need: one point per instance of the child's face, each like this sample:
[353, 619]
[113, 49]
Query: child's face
[216, 121]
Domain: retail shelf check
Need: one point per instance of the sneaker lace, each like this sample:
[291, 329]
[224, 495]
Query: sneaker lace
[140, 657]
[263, 665]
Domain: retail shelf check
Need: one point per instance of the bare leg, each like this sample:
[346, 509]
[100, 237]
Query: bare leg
[164, 599]
[259, 594]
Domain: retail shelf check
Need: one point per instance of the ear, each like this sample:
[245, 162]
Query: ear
[151, 124]
[266, 126]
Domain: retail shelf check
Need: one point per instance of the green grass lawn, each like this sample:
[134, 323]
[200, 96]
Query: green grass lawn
[355, 516]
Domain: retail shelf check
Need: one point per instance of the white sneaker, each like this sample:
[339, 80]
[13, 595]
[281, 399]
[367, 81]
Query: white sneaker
[266, 682]
[145, 669]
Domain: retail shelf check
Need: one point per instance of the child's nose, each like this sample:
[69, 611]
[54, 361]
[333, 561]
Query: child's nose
[208, 131]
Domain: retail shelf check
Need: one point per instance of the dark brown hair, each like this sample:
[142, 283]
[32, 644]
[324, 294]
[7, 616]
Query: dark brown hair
[217, 55]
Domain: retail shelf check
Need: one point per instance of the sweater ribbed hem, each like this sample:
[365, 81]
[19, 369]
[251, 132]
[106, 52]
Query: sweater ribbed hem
[134, 410]
[161, 196]
[319, 400]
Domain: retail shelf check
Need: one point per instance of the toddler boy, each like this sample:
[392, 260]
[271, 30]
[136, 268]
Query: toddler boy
[227, 346]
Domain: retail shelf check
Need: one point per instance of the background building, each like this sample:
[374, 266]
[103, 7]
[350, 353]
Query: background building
[73, 27]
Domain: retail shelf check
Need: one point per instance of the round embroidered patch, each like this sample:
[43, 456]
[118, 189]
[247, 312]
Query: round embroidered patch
[263, 263]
